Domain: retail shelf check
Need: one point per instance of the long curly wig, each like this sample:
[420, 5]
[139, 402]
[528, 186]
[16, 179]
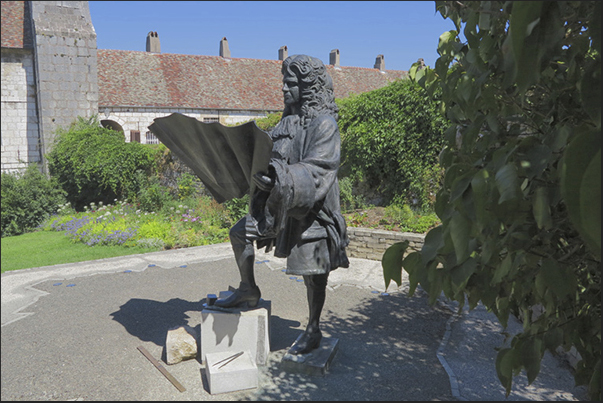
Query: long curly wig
[315, 85]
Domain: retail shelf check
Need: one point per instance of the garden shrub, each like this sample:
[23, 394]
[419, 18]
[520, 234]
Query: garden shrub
[156, 229]
[152, 196]
[186, 185]
[94, 164]
[404, 218]
[391, 138]
[266, 123]
[237, 208]
[28, 198]
[269, 121]
[173, 174]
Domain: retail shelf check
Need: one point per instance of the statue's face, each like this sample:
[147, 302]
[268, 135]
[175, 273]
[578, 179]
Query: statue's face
[291, 89]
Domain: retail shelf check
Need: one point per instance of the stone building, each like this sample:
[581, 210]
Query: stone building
[52, 72]
[48, 75]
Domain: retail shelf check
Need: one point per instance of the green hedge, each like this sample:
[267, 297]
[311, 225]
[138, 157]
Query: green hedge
[391, 138]
[28, 198]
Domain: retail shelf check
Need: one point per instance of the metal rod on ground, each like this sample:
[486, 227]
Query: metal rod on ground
[162, 369]
[228, 359]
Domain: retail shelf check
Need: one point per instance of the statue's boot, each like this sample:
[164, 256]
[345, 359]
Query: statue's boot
[309, 340]
[248, 292]
[245, 294]
[306, 342]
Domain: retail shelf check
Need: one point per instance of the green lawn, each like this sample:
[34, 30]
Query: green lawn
[45, 248]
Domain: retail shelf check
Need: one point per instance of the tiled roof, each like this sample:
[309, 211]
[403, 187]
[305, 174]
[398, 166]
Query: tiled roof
[131, 78]
[15, 33]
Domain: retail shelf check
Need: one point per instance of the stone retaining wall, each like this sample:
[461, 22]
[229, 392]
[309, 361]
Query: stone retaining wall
[368, 243]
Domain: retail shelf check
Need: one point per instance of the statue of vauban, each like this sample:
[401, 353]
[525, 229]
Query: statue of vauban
[294, 204]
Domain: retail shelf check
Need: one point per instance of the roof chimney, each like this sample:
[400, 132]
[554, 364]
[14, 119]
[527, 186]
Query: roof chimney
[224, 50]
[153, 43]
[380, 63]
[334, 57]
[282, 53]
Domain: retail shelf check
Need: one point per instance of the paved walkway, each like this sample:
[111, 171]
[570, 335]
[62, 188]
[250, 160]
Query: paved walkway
[71, 332]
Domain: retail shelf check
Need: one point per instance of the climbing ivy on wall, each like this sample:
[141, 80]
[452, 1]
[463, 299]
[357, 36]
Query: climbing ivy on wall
[390, 140]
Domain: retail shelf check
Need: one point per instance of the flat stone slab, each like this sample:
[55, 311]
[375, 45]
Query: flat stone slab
[316, 362]
[227, 372]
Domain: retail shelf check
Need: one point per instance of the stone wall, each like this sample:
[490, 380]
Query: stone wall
[65, 65]
[20, 136]
[368, 243]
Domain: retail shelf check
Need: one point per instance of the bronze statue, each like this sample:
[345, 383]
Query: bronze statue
[291, 176]
[295, 206]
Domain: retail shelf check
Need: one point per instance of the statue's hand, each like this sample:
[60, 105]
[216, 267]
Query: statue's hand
[263, 181]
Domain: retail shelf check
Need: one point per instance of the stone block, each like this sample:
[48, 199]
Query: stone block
[316, 362]
[225, 376]
[237, 329]
[180, 344]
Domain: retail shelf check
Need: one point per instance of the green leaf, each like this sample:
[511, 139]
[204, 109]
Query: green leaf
[413, 265]
[581, 186]
[479, 187]
[595, 35]
[506, 360]
[538, 158]
[553, 339]
[524, 17]
[590, 203]
[484, 17]
[459, 185]
[559, 279]
[460, 228]
[590, 92]
[502, 270]
[433, 242]
[444, 41]
[507, 183]
[594, 385]
[531, 357]
[391, 263]
[541, 209]
[460, 274]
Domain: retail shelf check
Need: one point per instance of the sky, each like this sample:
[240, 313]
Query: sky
[401, 31]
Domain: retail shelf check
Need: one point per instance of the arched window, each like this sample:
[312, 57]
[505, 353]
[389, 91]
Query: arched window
[111, 124]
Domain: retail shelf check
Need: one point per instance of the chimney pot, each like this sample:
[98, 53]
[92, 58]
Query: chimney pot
[334, 57]
[153, 45]
[283, 53]
[224, 50]
[380, 63]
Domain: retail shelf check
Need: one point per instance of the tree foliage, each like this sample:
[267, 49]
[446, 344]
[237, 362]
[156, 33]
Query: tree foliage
[95, 164]
[390, 140]
[521, 200]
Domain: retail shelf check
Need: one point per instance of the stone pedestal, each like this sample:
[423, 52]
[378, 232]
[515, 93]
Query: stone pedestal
[226, 375]
[316, 362]
[237, 329]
